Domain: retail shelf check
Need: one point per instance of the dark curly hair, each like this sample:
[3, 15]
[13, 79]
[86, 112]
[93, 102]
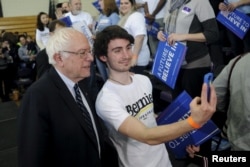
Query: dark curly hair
[104, 37]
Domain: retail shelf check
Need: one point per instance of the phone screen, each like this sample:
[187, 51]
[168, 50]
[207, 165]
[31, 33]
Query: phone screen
[208, 78]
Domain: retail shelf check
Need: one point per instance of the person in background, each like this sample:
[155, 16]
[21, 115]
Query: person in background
[109, 16]
[2, 34]
[24, 53]
[42, 60]
[42, 31]
[155, 13]
[236, 43]
[10, 47]
[134, 22]
[192, 23]
[140, 5]
[65, 7]
[61, 9]
[5, 61]
[58, 11]
[76, 14]
[216, 51]
[125, 104]
[54, 128]
[27, 59]
[238, 124]
[32, 47]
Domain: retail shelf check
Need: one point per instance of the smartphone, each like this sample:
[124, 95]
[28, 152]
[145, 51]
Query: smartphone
[208, 78]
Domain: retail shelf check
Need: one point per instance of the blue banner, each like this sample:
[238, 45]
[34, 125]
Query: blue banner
[96, 5]
[167, 62]
[67, 21]
[179, 110]
[235, 21]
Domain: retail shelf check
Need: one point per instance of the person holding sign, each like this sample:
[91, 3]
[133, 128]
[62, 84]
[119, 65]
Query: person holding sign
[77, 15]
[134, 22]
[193, 24]
[125, 104]
[108, 16]
[242, 6]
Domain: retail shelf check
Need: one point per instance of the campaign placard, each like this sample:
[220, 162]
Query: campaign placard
[167, 62]
[67, 21]
[179, 110]
[235, 21]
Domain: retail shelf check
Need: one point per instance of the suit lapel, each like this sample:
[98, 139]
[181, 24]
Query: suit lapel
[70, 101]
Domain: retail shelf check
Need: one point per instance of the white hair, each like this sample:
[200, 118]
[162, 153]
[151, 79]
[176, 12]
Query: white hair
[59, 41]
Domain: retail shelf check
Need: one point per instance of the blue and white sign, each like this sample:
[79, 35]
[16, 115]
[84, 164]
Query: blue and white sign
[167, 62]
[179, 110]
[235, 21]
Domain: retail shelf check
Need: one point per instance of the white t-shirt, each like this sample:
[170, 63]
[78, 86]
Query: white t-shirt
[42, 37]
[141, 10]
[152, 6]
[114, 104]
[83, 16]
[136, 25]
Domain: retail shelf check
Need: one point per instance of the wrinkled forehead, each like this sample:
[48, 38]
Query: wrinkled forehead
[79, 42]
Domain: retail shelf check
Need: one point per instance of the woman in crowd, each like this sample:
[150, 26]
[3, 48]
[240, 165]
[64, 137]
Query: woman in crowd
[192, 23]
[5, 60]
[134, 22]
[109, 16]
[42, 31]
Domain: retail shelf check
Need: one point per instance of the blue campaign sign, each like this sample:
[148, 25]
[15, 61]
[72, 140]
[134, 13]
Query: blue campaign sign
[67, 21]
[179, 110]
[167, 62]
[96, 5]
[235, 21]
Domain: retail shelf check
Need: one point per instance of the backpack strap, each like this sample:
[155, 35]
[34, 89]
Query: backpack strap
[231, 70]
[228, 91]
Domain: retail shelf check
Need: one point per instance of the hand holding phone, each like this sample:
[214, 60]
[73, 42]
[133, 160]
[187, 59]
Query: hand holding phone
[208, 78]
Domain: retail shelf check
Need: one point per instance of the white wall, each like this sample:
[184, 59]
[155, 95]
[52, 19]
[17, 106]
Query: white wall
[24, 7]
[13, 8]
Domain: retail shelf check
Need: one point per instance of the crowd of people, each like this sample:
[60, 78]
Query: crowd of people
[66, 118]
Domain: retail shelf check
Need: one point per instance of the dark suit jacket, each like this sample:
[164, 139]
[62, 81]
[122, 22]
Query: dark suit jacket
[52, 131]
[42, 63]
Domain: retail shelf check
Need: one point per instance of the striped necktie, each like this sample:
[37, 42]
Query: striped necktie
[85, 113]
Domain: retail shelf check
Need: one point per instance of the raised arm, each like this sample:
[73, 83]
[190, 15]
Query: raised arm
[201, 112]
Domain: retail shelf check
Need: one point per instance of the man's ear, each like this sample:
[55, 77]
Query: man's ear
[58, 58]
[103, 58]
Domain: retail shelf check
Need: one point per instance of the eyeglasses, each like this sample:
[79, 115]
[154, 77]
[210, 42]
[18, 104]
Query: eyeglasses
[82, 53]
